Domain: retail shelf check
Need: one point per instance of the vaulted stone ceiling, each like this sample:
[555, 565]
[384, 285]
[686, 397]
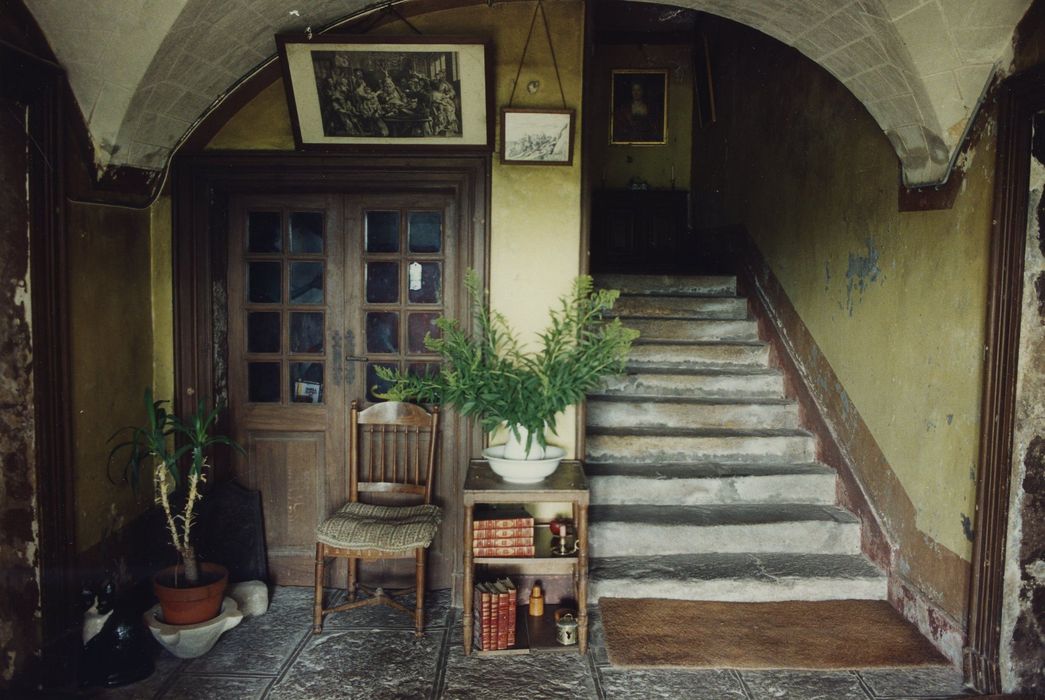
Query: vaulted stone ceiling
[144, 71]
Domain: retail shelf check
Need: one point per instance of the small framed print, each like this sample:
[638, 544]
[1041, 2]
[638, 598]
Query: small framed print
[537, 136]
[639, 106]
[381, 91]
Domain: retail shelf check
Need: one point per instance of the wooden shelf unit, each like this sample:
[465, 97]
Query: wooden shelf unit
[567, 485]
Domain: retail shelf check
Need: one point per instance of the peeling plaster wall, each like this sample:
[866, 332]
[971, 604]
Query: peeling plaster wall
[1023, 605]
[112, 356]
[895, 301]
[20, 629]
[535, 219]
[613, 166]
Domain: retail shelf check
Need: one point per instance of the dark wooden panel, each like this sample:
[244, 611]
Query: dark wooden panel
[641, 231]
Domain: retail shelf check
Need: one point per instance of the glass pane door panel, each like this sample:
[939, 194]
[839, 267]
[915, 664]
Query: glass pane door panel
[382, 331]
[263, 331]
[419, 325]
[425, 231]
[306, 382]
[264, 232]
[264, 282]
[382, 282]
[374, 383]
[306, 332]
[427, 287]
[306, 232]
[306, 283]
[382, 231]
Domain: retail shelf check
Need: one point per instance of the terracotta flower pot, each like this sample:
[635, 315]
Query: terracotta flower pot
[189, 605]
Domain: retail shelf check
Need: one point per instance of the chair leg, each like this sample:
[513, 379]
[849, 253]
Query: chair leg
[419, 595]
[353, 576]
[317, 613]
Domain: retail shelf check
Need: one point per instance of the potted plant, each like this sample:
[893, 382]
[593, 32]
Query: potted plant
[486, 374]
[189, 592]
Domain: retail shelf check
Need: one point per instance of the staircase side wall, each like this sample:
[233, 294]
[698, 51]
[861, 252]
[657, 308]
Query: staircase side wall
[867, 485]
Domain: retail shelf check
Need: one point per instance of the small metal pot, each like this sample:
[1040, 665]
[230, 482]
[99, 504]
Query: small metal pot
[565, 627]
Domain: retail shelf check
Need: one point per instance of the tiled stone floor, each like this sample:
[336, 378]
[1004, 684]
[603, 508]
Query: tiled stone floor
[372, 653]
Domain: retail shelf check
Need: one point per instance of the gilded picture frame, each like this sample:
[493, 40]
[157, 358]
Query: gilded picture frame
[639, 106]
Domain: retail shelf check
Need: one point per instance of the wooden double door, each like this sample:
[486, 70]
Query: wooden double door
[323, 290]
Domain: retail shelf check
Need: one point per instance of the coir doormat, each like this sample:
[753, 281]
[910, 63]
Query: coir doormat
[840, 634]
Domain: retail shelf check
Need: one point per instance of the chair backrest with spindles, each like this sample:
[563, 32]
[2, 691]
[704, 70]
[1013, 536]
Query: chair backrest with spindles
[393, 449]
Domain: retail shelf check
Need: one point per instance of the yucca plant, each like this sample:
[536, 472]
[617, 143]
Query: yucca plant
[160, 445]
[487, 375]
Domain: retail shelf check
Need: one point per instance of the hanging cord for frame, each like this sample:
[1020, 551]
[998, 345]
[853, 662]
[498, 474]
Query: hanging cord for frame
[526, 47]
[385, 11]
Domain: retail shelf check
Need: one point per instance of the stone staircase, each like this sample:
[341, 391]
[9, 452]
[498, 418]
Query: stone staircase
[704, 485]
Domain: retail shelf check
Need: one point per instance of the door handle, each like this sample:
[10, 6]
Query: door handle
[351, 359]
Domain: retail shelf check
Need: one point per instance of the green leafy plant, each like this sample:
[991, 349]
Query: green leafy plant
[160, 446]
[487, 375]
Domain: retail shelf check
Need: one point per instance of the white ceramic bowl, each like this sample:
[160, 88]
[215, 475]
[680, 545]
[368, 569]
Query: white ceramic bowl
[523, 471]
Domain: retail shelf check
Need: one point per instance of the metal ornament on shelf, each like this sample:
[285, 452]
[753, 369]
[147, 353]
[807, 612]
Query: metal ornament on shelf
[560, 529]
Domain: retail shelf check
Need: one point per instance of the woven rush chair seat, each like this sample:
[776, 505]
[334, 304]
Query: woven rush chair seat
[384, 528]
[391, 460]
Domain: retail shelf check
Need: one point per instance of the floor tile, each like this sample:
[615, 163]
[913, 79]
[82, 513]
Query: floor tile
[377, 665]
[549, 676]
[640, 684]
[213, 687]
[437, 611]
[914, 682]
[261, 645]
[804, 685]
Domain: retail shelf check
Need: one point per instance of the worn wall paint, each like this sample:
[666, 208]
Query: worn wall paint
[161, 268]
[20, 630]
[896, 301]
[1022, 662]
[535, 210]
[612, 167]
[112, 355]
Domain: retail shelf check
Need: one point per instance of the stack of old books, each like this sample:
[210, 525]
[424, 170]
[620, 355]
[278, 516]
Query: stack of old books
[493, 615]
[502, 532]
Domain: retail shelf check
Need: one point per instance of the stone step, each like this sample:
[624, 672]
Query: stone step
[742, 577]
[682, 329]
[633, 530]
[729, 308]
[739, 383]
[608, 412]
[696, 355]
[709, 484]
[670, 285]
[642, 446]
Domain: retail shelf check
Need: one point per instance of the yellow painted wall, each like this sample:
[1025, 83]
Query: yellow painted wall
[112, 356]
[535, 217]
[161, 265]
[896, 301]
[613, 166]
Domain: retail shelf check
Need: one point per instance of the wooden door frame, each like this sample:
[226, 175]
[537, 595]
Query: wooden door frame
[202, 186]
[1019, 98]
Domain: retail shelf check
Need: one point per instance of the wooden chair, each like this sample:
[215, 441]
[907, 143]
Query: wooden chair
[392, 451]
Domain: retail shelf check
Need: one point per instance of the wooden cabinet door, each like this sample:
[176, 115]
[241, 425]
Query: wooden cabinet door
[323, 289]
